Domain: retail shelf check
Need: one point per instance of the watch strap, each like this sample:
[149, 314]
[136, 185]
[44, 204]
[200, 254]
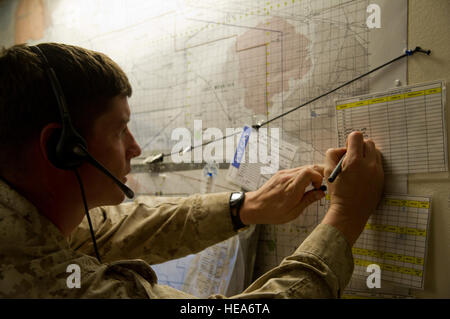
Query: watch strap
[235, 214]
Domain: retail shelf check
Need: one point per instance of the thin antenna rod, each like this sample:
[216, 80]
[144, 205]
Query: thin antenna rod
[160, 157]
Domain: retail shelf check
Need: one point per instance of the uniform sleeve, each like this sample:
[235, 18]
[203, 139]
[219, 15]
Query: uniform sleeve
[156, 229]
[161, 229]
[320, 268]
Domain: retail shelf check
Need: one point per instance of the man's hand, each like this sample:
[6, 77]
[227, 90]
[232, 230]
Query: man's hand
[282, 198]
[357, 190]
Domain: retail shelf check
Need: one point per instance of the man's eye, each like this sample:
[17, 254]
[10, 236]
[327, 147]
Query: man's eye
[122, 131]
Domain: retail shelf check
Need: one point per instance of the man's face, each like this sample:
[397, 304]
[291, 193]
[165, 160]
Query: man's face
[113, 145]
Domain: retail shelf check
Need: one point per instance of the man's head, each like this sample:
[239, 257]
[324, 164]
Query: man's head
[27, 103]
[96, 92]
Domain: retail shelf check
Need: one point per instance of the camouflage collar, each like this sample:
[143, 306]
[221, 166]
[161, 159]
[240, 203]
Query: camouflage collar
[21, 221]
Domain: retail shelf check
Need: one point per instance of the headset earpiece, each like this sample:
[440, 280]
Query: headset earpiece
[66, 156]
[61, 149]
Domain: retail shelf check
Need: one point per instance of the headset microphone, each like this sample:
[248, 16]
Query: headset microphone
[82, 152]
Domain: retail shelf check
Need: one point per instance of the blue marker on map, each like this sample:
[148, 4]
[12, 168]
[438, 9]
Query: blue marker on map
[241, 146]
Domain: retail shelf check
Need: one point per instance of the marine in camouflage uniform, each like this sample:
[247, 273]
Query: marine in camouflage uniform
[34, 255]
[38, 246]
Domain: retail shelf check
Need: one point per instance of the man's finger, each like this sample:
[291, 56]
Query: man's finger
[306, 177]
[332, 158]
[309, 198]
[370, 150]
[292, 170]
[355, 142]
[379, 158]
[320, 168]
[317, 167]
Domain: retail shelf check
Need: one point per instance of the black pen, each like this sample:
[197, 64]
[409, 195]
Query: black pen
[336, 170]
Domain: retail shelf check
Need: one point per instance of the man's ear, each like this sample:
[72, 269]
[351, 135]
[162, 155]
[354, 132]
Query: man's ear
[48, 140]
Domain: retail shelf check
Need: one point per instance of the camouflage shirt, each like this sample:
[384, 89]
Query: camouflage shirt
[34, 255]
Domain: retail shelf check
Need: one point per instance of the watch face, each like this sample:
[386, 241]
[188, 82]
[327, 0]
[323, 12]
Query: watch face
[235, 196]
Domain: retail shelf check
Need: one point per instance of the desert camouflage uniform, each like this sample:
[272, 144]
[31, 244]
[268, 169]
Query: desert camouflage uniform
[34, 255]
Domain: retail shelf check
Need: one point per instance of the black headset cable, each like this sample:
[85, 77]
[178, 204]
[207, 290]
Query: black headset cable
[83, 195]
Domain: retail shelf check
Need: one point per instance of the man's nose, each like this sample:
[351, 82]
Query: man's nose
[134, 149]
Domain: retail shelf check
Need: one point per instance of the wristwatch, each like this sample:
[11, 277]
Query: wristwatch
[236, 201]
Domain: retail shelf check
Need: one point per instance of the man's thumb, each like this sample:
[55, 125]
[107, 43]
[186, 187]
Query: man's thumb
[310, 197]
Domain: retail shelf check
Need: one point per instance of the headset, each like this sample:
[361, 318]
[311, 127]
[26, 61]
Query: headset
[68, 150]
